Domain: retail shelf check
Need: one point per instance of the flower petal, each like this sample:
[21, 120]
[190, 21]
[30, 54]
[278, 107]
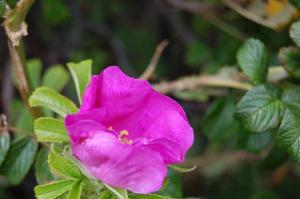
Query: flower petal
[171, 136]
[117, 92]
[134, 168]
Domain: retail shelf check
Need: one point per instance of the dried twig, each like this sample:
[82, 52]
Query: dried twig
[14, 28]
[154, 60]
[237, 8]
[207, 11]
[194, 82]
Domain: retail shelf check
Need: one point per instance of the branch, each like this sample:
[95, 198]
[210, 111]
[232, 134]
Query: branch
[154, 60]
[237, 8]
[194, 82]
[15, 28]
[207, 11]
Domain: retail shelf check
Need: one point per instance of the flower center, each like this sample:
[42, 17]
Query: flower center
[123, 137]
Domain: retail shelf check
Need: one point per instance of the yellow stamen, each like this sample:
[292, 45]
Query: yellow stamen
[123, 137]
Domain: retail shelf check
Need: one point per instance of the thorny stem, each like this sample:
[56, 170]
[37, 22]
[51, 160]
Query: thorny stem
[14, 28]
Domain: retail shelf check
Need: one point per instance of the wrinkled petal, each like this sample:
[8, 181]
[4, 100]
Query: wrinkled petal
[138, 122]
[137, 169]
[117, 92]
[171, 136]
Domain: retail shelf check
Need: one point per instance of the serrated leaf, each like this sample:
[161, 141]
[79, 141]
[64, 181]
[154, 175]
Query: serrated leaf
[56, 77]
[42, 170]
[291, 96]
[48, 98]
[258, 141]
[260, 109]
[34, 68]
[48, 129]
[295, 32]
[19, 160]
[288, 135]
[119, 193]
[75, 191]
[290, 58]
[253, 60]
[182, 169]
[4, 145]
[63, 166]
[81, 73]
[53, 190]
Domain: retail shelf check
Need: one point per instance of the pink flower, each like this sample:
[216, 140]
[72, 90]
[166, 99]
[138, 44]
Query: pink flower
[126, 133]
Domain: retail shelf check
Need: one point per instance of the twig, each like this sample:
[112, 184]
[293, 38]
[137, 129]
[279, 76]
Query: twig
[193, 82]
[154, 60]
[234, 6]
[207, 11]
[14, 28]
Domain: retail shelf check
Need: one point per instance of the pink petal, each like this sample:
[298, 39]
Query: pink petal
[131, 167]
[115, 91]
[172, 136]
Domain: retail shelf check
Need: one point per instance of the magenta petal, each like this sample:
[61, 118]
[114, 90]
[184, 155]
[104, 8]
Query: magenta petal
[115, 91]
[137, 169]
[172, 136]
[153, 106]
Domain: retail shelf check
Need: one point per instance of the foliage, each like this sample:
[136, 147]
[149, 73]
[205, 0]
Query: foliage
[244, 108]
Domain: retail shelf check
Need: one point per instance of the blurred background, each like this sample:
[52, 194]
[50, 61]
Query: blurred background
[203, 38]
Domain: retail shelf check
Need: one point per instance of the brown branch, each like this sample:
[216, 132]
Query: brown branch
[208, 11]
[15, 28]
[194, 82]
[154, 60]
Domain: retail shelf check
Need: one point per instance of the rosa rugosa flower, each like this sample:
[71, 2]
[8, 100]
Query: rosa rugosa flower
[126, 133]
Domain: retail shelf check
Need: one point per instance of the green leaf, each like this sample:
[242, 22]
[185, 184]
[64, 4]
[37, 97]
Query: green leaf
[34, 68]
[24, 120]
[19, 160]
[52, 100]
[288, 135]
[81, 74]
[63, 166]
[4, 145]
[291, 97]
[258, 141]
[260, 109]
[75, 191]
[219, 123]
[119, 193]
[182, 169]
[42, 170]
[295, 32]
[290, 58]
[253, 60]
[53, 190]
[48, 129]
[2, 7]
[56, 77]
